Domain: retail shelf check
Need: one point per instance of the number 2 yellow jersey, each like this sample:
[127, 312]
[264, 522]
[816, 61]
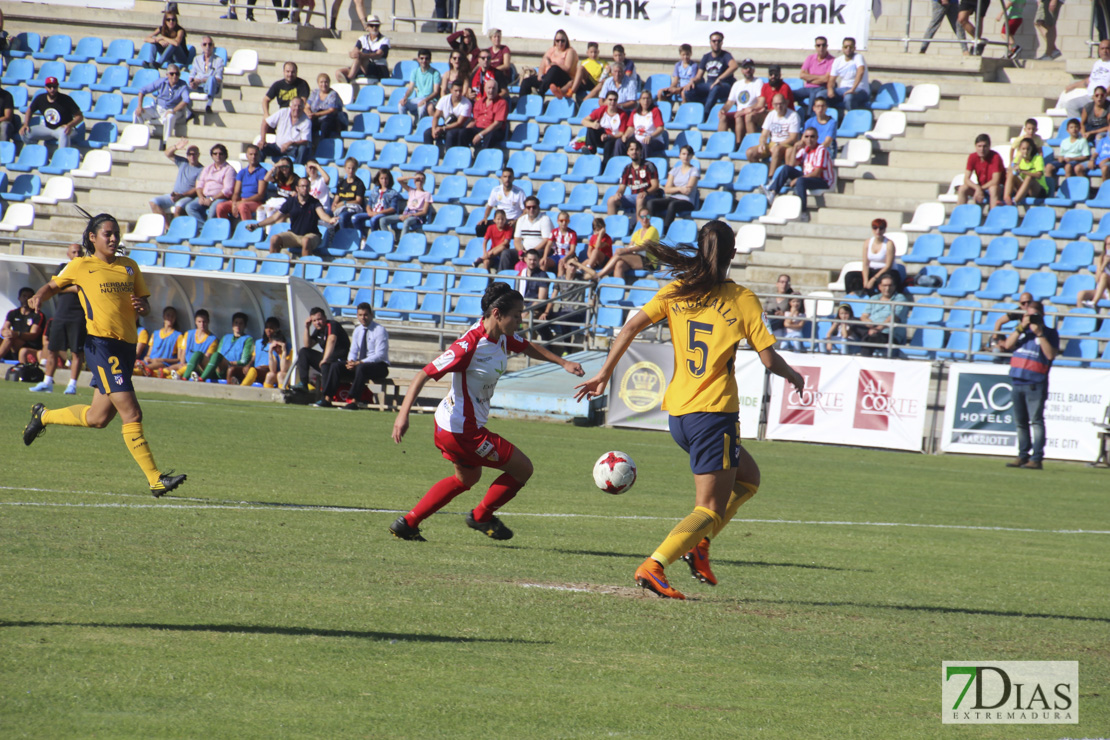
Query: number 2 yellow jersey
[105, 291]
[705, 333]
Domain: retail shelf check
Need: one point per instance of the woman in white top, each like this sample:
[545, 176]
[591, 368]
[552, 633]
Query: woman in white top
[680, 194]
[645, 124]
[878, 256]
[849, 86]
[1091, 298]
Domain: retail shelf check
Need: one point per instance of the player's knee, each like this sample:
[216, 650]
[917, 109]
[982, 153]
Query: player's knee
[468, 476]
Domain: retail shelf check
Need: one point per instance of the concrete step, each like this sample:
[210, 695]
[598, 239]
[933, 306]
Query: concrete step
[916, 190]
[952, 163]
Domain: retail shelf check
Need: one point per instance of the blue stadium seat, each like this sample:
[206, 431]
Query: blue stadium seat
[341, 270]
[472, 252]
[417, 135]
[400, 281]
[924, 343]
[889, 96]
[716, 204]
[1037, 222]
[363, 126]
[963, 314]
[411, 247]
[424, 157]
[111, 80]
[692, 139]
[214, 231]
[19, 98]
[617, 227]
[22, 188]
[552, 167]
[443, 249]
[102, 134]
[276, 265]
[1038, 253]
[337, 297]
[658, 82]
[1071, 191]
[688, 116]
[82, 75]
[244, 262]
[960, 345]
[1002, 250]
[751, 176]
[749, 208]
[712, 116]
[523, 136]
[586, 168]
[488, 162]
[926, 311]
[602, 206]
[523, 164]
[1102, 197]
[1000, 220]
[451, 190]
[209, 258]
[177, 259]
[329, 151]
[717, 175]
[551, 195]
[613, 171]
[455, 160]
[142, 78]
[746, 143]
[682, 231]
[926, 248]
[964, 280]
[181, 230]
[1001, 285]
[479, 194]
[582, 198]
[1074, 257]
[963, 219]
[242, 237]
[31, 157]
[582, 224]
[466, 310]
[309, 268]
[24, 44]
[1075, 224]
[470, 228]
[396, 127]
[855, 123]
[55, 47]
[128, 115]
[586, 108]
[448, 218]
[392, 155]
[48, 69]
[557, 111]
[398, 306]
[17, 72]
[143, 257]
[556, 137]
[119, 51]
[661, 167]
[400, 76]
[343, 242]
[369, 98]
[720, 144]
[363, 151]
[1078, 351]
[1041, 285]
[526, 108]
[936, 271]
[379, 243]
[964, 249]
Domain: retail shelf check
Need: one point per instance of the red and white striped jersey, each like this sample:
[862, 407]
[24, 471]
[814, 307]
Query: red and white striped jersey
[477, 364]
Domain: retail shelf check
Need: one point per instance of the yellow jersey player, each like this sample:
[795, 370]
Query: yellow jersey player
[708, 316]
[112, 293]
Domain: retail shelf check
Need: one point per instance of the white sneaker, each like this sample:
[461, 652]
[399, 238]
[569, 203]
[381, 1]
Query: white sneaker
[285, 20]
[71, 389]
[45, 386]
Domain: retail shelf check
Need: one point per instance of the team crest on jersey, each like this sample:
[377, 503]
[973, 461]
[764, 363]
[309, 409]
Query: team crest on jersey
[487, 451]
[444, 360]
[129, 270]
[119, 380]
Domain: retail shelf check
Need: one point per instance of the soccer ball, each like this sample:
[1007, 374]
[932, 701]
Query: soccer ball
[614, 472]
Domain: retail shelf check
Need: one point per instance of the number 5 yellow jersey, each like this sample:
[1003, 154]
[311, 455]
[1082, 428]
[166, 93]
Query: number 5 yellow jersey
[705, 332]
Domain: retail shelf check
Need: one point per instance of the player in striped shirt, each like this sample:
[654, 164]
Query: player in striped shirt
[476, 361]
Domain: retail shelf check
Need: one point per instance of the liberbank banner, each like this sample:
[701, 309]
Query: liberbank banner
[746, 24]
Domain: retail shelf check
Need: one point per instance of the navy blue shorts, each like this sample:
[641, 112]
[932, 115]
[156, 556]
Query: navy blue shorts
[711, 439]
[110, 361]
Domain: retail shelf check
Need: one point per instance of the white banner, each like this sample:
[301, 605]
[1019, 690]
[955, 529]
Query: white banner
[110, 4]
[851, 400]
[978, 415]
[746, 24]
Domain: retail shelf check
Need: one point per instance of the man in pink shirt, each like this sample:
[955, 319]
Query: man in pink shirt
[815, 73]
[214, 185]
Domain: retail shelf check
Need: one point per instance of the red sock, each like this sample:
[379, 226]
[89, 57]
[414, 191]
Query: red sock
[435, 499]
[499, 494]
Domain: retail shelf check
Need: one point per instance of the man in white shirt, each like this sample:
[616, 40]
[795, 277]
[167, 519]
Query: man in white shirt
[745, 108]
[369, 56]
[533, 231]
[1099, 77]
[849, 87]
[781, 130]
[452, 114]
[292, 130]
[504, 197]
[367, 360]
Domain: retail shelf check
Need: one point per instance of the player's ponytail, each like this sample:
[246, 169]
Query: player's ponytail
[699, 271]
[499, 296]
[93, 226]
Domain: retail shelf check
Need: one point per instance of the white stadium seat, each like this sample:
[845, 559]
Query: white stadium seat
[18, 216]
[750, 237]
[149, 226]
[927, 216]
[901, 242]
[856, 152]
[953, 196]
[839, 284]
[242, 62]
[134, 136]
[785, 208]
[921, 98]
[96, 162]
[890, 124]
[57, 189]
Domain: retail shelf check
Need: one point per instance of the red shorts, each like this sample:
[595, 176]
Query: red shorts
[484, 449]
[1011, 24]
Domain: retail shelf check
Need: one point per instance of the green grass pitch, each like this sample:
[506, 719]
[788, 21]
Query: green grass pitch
[266, 598]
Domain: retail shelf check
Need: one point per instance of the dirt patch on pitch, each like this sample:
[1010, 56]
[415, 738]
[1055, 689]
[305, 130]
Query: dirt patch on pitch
[630, 592]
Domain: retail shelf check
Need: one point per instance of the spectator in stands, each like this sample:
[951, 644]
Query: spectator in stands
[66, 333]
[60, 115]
[325, 340]
[849, 86]
[185, 186]
[292, 131]
[1100, 156]
[370, 56]
[214, 184]
[844, 331]
[1048, 12]
[564, 243]
[683, 74]
[816, 173]
[163, 346]
[640, 179]
[1099, 77]
[1034, 345]
[815, 73]
[497, 238]
[304, 214]
[234, 354]
[458, 70]
[775, 85]
[169, 105]
[284, 90]
[627, 87]
[384, 200]
[1095, 117]
[360, 11]
[781, 129]
[418, 211]
[350, 195]
[634, 256]
[943, 9]
[774, 308]
[715, 76]
[680, 194]
[823, 124]
[465, 42]
[878, 257]
[452, 114]
[481, 74]
[207, 72]
[500, 58]
[589, 75]
[884, 321]
[445, 9]
[249, 191]
[9, 120]
[534, 285]
[1013, 11]
[745, 108]
[532, 231]
[1074, 153]
[1090, 298]
[22, 331]
[626, 64]
[793, 325]
[645, 124]
[1030, 174]
[604, 127]
[281, 184]
[367, 360]
[319, 183]
[599, 250]
[505, 197]
[490, 125]
[1028, 131]
[324, 110]
[422, 87]
[988, 168]
[967, 9]
[170, 43]
[194, 348]
[557, 69]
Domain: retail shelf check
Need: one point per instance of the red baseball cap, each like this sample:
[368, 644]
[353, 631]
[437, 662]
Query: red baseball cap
[51, 80]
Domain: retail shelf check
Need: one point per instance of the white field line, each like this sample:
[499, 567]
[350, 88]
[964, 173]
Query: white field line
[200, 503]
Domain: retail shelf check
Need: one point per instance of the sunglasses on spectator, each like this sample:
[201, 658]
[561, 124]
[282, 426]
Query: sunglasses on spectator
[172, 74]
[530, 206]
[205, 43]
[1024, 303]
[822, 44]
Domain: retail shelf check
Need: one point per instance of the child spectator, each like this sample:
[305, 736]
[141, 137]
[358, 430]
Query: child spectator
[844, 331]
[794, 323]
[1074, 151]
[599, 250]
[350, 195]
[564, 242]
[319, 184]
[587, 78]
[1028, 131]
[384, 200]
[681, 77]
[417, 213]
[823, 124]
[1029, 170]
[1013, 10]
[498, 238]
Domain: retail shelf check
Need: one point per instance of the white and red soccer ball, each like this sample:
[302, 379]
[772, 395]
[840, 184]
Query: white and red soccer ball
[614, 472]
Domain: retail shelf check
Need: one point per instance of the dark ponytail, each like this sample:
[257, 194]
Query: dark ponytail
[698, 272]
[500, 296]
[93, 226]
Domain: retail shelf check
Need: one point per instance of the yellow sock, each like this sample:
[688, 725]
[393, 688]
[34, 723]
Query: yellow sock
[140, 450]
[71, 416]
[268, 385]
[741, 492]
[686, 534]
[250, 377]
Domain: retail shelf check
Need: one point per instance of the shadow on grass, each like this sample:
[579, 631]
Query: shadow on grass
[257, 629]
[746, 563]
[934, 609]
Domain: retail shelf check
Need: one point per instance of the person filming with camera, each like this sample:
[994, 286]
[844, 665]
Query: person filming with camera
[1034, 346]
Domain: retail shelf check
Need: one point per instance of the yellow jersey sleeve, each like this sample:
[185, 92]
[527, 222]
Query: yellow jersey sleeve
[144, 337]
[105, 292]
